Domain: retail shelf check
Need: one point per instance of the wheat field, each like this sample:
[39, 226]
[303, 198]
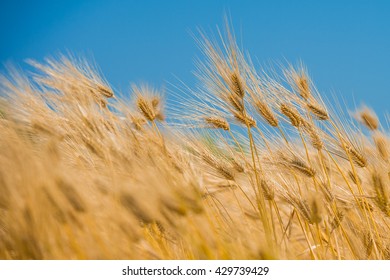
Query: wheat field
[250, 164]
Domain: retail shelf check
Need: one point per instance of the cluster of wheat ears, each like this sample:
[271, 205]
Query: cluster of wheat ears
[247, 165]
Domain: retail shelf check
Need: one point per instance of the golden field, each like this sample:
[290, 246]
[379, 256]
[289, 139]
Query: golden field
[248, 165]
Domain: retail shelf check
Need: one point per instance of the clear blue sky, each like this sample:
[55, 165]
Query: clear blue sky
[345, 44]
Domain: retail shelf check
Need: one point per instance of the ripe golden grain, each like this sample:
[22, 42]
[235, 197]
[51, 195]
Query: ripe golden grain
[318, 112]
[358, 158]
[238, 87]
[245, 119]
[146, 109]
[315, 139]
[268, 189]
[237, 102]
[382, 146]
[337, 220]
[266, 113]
[216, 122]
[303, 85]
[292, 114]
[369, 119]
[382, 193]
[356, 179]
[302, 167]
[105, 91]
[78, 182]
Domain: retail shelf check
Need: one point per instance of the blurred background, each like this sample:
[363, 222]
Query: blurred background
[344, 44]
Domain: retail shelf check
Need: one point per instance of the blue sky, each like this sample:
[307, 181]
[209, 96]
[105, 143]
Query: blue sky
[345, 44]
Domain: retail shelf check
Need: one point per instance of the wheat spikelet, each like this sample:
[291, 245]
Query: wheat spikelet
[94, 146]
[302, 83]
[368, 242]
[219, 166]
[236, 102]
[300, 205]
[217, 122]
[356, 156]
[327, 192]
[268, 189]
[302, 167]
[382, 146]
[155, 102]
[225, 171]
[369, 119]
[292, 114]
[237, 166]
[304, 210]
[266, 113]
[381, 191]
[315, 210]
[338, 218]
[245, 119]
[364, 204]
[160, 116]
[145, 108]
[107, 92]
[318, 112]
[356, 179]
[138, 122]
[315, 139]
[238, 87]
[148, 102]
